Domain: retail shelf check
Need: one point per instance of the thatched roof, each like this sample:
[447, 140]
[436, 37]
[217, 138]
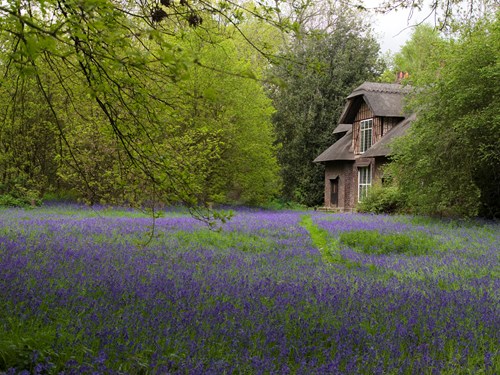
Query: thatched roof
[340, 150]
[384, 99]
[342, 128]
[382, 147]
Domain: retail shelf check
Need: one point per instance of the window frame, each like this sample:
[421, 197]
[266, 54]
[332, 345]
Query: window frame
[365, 140]
[364, 181]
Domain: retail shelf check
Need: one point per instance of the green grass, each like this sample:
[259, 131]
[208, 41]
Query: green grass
[326, 245]
[223, 240]
[374, 242]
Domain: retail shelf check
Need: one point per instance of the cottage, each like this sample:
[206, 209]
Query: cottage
[373, 116]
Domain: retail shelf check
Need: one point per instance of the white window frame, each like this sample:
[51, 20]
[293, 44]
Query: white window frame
[365, 134]
[364, 181]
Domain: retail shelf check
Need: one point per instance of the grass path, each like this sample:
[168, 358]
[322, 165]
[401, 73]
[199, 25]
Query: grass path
[327, 246]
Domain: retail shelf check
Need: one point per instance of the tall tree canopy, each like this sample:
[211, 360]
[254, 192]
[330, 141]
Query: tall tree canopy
[449, 163]
[317, 71]
[137, 100]
[133, 100]
[418, 57]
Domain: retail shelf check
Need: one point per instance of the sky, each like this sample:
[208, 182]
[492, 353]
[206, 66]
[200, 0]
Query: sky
[393, 29]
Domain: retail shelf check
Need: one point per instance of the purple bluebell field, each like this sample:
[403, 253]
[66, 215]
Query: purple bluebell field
[97, 292]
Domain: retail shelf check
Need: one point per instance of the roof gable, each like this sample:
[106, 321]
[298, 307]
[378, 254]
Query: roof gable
[382, 147]
[342, 128]
[340, 150]
[384, 99]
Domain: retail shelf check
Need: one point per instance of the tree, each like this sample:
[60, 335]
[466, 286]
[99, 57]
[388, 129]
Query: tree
[449, 163]
[418, 56]
[119, 64]
[110, 76]
[220, 102]
[318, 71]
[446, 14]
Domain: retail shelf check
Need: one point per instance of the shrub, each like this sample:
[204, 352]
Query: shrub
[18, 195]
[382, 199]
[374, 242]
[282, 204]
[8, 200]
[68, 196]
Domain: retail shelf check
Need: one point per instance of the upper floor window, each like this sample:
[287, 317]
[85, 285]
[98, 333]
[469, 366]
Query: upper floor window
[365, 129]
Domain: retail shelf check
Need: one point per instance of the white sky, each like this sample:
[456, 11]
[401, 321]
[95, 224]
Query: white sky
[392, 29]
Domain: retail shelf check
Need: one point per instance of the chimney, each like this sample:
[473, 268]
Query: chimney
[400, 76]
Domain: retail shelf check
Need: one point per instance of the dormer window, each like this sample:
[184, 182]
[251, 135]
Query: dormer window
[365, 129]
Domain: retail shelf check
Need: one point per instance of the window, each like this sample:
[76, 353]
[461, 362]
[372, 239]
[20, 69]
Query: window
[365, 129]
[364, 182]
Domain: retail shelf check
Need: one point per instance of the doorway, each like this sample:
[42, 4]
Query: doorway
[334, 192]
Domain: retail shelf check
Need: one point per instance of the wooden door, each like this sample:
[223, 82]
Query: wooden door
[334, 192]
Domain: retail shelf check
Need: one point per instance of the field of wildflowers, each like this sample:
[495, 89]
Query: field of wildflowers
[97, 292]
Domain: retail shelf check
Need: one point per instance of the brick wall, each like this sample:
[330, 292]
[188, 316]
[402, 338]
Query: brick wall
[347, 174]
[343, 170]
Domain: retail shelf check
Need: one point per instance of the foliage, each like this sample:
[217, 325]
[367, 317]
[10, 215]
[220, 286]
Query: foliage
[283, 204]
[317, 72]
[243, 167]
[126, 102]
[19, 197]
[7, 200]
[445, 13]
[382, 199]
[82, 294]
[28, 138]
[140, 102]
[419, 57]
[449, 163]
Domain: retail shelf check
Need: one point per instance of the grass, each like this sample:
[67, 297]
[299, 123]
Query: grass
[374, 242]
[273, 292]
[223, 240]
[328, 247]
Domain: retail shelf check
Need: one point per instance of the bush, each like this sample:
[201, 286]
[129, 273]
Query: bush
[382, 199]
[18, 195]
[282, 204]
[374, 242]
[68, 196]
[7, 200]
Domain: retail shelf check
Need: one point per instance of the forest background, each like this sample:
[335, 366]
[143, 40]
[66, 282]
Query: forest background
[194, 102]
